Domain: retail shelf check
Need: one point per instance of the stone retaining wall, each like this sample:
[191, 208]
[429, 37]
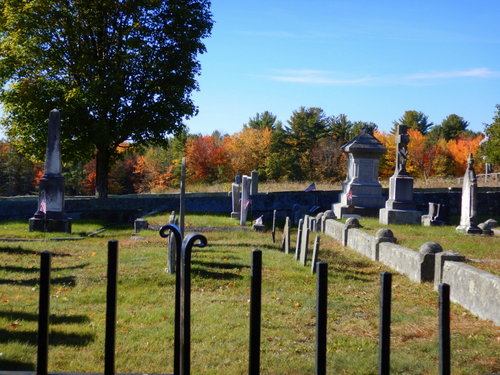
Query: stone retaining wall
[476, 290]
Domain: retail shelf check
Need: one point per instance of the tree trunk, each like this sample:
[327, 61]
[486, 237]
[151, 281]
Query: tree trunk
[102, 169]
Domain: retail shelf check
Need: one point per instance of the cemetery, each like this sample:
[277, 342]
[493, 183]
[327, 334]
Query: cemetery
[186, 281]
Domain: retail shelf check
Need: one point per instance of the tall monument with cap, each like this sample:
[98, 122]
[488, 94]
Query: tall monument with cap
[50, 215]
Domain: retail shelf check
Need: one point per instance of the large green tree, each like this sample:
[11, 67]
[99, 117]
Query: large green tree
[413, 120]
[490, 147]
[118, 70]
[450, 128]
[263, 120]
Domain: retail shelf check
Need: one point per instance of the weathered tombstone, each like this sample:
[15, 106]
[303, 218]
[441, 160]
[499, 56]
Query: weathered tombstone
[468, 217]
[437, 215]
[182, 203]
[304, 242]
[172, 245]
[254, 187]
[235, 199]
[299, 238]
[285, 246]
[361, 191]
[245, 199]
[50, 215]
[428, 253]
[328, 214]
[400, 207]
[273, 232]
[140, 224]
[315, 254]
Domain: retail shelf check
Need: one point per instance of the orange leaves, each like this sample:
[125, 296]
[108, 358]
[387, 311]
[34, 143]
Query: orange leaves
[460, 149]
[249, 149]
[207, 159]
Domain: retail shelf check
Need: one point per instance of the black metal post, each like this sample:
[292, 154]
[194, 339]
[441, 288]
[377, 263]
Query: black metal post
[109, 341]
[255, 312]
[43, 314]
[385, 324]
[185, 300]
[321, 316]
[444, 330]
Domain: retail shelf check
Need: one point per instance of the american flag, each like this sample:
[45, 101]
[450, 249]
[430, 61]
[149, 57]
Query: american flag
[43, 205]
[349, 195]
[248, 203]
[310, 187]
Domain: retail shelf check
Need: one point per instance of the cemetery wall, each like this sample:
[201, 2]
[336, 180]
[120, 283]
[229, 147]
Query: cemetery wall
[292, 204]
[474, 289]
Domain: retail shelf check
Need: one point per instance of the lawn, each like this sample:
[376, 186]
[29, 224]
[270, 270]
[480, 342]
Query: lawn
[220, 308]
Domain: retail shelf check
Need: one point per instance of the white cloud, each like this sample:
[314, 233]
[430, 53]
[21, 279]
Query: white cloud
[315, 77]
[474, 73]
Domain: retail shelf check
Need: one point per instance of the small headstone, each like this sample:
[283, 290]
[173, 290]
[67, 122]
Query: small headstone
[286, 236]
[299, 239]
[438, 215]
[235, 200]
[428, 253]
[273, 232]
[258, 224]
[468, 217]
[304, 242]
[140, 224]
[246, 201]
[315, 254]
[254, 188]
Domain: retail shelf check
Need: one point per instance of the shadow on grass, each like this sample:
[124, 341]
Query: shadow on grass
[248, 245]
[54, 319]
[37, 269]
[55, 338]
[68, 281]
[206, 274]
[8, 365]
[224, 265]
[20, 251]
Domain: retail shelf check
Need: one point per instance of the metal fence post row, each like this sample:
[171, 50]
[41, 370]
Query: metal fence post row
[43, 314]
[255, 313]
[385, 324]
[321, 316]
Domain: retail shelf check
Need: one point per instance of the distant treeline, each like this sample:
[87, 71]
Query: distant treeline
[307, 148]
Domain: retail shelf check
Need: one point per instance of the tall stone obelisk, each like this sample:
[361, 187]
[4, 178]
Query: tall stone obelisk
[50, 215]
[468, 211]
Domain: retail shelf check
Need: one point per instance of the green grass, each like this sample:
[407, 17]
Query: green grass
[220, 308]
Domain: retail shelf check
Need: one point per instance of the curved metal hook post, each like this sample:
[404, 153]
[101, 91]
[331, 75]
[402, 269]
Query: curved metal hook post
[198, 240]
[167, 231]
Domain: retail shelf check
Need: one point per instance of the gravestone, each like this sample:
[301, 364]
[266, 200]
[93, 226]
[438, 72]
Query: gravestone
[468, 212]
[361, 191]
[315, 254]
[438, 215]
[285, 243]
[235, 200]
[254, 187]
[400, 207]
[245, 199]
[273, 232]
[304, 242]
[299, 239]
[50, 215]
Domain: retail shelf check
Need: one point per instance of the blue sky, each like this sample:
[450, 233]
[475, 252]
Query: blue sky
[371, 60]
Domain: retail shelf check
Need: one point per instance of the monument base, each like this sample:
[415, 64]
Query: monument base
[342, 211]
[235, 215]
[390, 216]
[468, 229]
[50, 225]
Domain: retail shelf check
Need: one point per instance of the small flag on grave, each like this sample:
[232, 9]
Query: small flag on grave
[310, 187]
